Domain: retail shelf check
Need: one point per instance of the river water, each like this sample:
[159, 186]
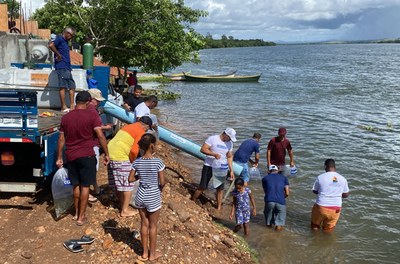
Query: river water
[336, 101]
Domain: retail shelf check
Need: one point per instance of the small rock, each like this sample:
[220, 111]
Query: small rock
[26, 254]
[216, 238]
[229, 242]
[88, 231]
[40, 229]
[107, 243]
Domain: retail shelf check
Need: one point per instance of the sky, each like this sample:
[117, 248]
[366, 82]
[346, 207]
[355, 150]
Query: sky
[300, 20]
[284, 21]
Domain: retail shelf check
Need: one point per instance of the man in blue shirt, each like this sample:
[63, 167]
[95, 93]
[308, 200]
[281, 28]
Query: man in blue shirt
[62, 65]
[276, 189]
[243, 154]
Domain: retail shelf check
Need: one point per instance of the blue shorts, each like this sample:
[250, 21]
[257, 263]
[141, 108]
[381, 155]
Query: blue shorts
[65, 79]
[245, 172]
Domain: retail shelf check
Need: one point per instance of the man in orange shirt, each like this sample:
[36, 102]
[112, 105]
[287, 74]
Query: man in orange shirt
[124, 149]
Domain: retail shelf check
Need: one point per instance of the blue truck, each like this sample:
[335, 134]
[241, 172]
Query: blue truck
[29, 125]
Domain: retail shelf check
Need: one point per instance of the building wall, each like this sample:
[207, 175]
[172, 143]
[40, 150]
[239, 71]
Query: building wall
[3, 18]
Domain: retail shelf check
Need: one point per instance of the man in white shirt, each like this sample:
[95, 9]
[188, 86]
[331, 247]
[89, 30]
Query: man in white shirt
[217, 147]
[330, 188]
[143, 109]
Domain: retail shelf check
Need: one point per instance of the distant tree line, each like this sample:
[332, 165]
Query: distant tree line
[229, 42]
[390, 41]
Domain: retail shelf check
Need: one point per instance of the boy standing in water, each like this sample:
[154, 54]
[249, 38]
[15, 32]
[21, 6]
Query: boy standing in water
[241, 206]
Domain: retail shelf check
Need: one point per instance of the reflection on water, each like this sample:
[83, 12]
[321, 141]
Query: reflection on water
[336, 101]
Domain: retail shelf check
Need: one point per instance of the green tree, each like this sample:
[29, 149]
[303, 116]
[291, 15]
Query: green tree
[153, 34]
[13, 8]
[58, 14]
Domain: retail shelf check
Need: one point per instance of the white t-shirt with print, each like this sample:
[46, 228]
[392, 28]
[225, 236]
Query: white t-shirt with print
[217, 146]
[330, 186]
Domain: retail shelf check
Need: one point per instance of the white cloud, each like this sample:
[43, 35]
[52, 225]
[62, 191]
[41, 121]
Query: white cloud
[297, 20]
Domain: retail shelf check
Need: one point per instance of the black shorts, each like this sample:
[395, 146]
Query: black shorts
[206, 175]
[82, 171]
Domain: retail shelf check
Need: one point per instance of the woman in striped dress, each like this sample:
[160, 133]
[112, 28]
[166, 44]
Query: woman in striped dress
[150, 171]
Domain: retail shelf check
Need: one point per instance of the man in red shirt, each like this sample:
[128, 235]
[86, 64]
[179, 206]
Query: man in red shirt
[132, 79]
[277, 147]
[76, 133]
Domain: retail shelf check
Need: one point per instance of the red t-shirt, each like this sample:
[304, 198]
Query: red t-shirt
[78, 128]
[278, 152]
[91, 108]
[132, 80]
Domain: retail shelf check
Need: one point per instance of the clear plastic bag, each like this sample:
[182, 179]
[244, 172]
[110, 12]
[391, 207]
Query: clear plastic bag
[254, 172]
[62, 191]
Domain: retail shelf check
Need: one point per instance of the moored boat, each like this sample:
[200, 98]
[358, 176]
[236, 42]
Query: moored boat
[181, 76]
[233, 78]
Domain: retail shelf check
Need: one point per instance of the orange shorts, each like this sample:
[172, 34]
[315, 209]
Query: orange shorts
[324, 216]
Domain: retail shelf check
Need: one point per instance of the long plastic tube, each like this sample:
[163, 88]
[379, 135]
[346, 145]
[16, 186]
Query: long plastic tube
[165, 135]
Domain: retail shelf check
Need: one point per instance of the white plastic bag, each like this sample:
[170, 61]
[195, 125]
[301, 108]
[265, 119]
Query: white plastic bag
[62, 191]
[134, 192]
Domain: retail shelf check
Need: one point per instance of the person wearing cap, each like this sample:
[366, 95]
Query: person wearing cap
[330, 187]
[276, 189]
[277, 147]
[243, 155]
[97, 98]
[124, 149]
[62, 66]
[216, 147]
[80, 156]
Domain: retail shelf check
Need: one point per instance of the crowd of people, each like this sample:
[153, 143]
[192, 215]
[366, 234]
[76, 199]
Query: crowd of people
[129, 156]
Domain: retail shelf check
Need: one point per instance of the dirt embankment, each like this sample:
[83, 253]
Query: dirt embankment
[186, 231]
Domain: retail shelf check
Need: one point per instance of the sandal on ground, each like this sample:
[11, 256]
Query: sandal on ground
[66, 110]
[85, 240]
[92, 199]
[73, 247]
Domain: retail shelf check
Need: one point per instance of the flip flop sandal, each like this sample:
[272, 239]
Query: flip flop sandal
[73, 247]
[85, 240]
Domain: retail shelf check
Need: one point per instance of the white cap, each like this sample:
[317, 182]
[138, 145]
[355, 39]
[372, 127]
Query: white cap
[273, 167]
[231, 133]
[96, 94]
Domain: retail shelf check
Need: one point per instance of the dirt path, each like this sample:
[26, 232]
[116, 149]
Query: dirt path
[186, 234]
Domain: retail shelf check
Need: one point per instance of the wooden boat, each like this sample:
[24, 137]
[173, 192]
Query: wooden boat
[174, 76]
[181, 76]
[234, 78]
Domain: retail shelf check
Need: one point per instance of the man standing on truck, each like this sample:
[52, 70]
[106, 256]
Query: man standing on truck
[81, 159]
[62, 65]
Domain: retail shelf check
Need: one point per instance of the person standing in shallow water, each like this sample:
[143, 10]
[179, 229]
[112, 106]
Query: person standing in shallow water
[216, 147]
[330, 187]
[242, 198]
[276, 189]
[277, 147]
[243, 153]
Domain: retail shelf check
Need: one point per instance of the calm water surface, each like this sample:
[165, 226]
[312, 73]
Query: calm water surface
[326, 96]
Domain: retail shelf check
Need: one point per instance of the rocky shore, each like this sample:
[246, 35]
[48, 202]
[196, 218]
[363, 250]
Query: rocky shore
[187, 232]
